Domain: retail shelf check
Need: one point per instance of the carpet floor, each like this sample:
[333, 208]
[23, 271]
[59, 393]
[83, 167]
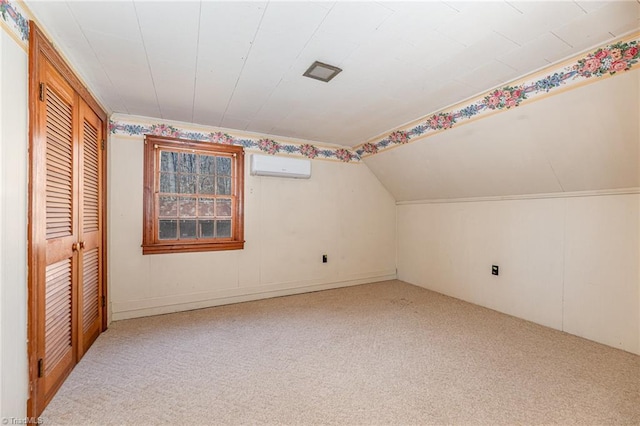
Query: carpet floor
[382, 353]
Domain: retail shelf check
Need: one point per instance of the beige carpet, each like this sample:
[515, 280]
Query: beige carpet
[385, 353]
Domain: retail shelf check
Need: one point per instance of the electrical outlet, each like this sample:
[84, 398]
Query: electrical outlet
[495, 270]
[324, 258]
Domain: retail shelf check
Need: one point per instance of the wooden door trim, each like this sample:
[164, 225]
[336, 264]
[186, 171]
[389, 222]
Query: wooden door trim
[32, 253]
[104, 290]
[45, 48]
[40, 48]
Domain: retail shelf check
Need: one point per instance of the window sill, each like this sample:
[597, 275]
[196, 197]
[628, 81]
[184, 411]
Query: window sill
[163, 248]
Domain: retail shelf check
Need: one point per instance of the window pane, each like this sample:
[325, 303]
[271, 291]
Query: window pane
[188, 184]
[223, 228]
[168, 183]
[187, 163]
[223, 166]
[207, 164]
[168, 206]
[206, 228]
[206, 185]
[224, 186]
[187, 229]
[168, 230]
[187, 206]
[223, 207]
[191, 195]
[205, 207]
[168, 161]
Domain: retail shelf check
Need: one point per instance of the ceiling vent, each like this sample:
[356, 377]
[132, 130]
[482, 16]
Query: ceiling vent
[322, 72]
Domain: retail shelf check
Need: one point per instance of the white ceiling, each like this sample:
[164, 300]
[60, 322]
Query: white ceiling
[239, 64]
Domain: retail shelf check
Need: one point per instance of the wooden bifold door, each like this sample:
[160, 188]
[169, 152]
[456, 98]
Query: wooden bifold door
[66, 233]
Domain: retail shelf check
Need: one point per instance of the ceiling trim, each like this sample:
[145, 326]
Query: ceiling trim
[127, 125]
[604, 62]
[15, 21]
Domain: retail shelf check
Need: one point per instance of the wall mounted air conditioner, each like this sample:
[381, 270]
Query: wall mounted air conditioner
[269, 165]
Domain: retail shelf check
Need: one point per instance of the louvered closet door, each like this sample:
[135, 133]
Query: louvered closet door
[90, 223]
[66, 213]
[56, 294]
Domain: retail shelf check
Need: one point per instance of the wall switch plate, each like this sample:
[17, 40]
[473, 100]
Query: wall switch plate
[324, 258]
[495, 270]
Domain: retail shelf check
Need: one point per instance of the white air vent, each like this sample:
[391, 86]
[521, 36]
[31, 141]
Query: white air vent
[268, 165]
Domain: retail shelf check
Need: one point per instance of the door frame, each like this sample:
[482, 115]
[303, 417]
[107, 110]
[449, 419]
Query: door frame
[40, 49]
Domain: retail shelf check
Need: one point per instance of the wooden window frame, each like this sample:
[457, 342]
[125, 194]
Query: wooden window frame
[151, 244]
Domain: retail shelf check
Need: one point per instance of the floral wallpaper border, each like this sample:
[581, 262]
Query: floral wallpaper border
[131, 127]
[608, 60]
[605, 61]
[15, 18]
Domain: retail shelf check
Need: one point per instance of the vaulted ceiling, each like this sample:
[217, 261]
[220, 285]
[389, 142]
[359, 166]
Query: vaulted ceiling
[239, 64]
[586, 139]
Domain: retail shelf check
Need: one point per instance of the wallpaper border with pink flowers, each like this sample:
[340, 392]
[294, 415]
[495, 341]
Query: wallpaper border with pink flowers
[14, 17]
[130, 126]
[606, 61]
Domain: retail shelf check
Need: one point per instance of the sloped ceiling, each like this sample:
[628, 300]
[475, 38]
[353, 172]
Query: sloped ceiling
[581, 140]
[239, 64]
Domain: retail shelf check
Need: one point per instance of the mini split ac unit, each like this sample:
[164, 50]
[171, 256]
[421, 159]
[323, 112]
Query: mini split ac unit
[268, 165]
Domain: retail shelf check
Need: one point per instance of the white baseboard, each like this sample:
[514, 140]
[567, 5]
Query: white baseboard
[170, 304]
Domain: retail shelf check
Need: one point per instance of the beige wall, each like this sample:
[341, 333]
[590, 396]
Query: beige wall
[13, 228]
[569, 263]
[569, 254]
[342, 211]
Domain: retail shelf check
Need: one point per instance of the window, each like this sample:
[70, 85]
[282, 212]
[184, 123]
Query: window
[193, 199]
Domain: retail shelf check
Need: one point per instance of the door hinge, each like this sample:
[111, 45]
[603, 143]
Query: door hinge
[104, 302]
[42, 92]
[40, 367]
[102, 145]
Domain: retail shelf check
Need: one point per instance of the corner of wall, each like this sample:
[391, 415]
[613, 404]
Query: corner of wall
[1, 222]
[14, 380]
